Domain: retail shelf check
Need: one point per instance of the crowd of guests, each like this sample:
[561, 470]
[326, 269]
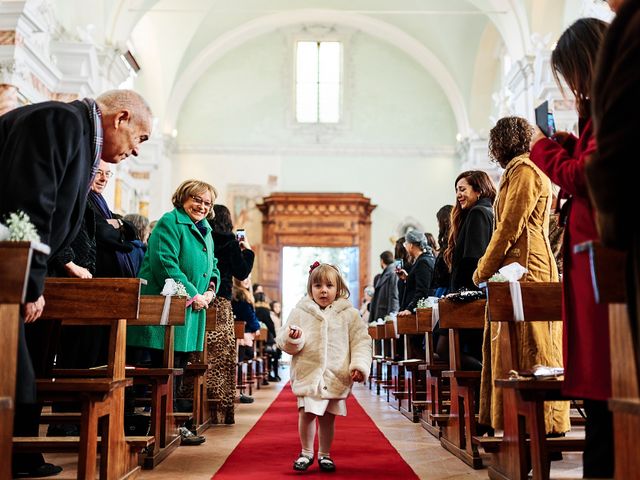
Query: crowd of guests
[525, 222]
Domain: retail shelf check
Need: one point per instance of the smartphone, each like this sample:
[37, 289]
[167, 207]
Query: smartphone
[398, 264]
[240, 234]
[545, 120]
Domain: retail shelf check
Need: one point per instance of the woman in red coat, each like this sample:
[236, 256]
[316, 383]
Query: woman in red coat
[586, 328]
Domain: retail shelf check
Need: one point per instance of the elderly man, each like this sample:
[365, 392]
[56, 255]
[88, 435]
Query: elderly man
[49, 153]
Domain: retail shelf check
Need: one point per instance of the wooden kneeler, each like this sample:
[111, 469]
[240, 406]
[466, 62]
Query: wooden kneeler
[459, 427]
[93, 302]
[15, 258]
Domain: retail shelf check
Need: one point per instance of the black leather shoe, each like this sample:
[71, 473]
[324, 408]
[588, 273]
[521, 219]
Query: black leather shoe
[44, 470]
[302, 463]
[326, 464]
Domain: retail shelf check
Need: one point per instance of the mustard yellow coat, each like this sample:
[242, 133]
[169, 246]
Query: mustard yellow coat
[522, 211]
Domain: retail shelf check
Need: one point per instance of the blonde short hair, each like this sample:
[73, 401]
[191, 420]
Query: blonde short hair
[193, 187]
[327, 272]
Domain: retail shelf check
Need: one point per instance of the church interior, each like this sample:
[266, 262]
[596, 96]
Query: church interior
[333, 132]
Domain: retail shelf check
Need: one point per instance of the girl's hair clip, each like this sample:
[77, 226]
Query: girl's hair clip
[313, 266]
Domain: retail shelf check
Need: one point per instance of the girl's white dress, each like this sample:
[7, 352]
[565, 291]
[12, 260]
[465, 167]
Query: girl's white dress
[320, 406]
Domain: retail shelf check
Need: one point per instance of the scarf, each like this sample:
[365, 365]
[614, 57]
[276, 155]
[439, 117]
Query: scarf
[97, 137]
[123, 259]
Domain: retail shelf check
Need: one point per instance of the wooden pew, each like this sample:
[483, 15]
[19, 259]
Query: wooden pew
[196, 372]
[93, 302]
[153, 308]
[523, 399]
[459, 427]
[243, 369]
[608, 268]
[435, 411]
[15, 258]
[379, 378]
[407, 390]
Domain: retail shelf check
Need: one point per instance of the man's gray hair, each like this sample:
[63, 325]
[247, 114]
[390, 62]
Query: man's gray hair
[417, 238]
[116, 100]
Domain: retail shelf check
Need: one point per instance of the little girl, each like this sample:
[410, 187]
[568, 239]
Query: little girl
[331, 349]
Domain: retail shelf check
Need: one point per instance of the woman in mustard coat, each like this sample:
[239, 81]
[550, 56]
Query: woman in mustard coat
[522, 211]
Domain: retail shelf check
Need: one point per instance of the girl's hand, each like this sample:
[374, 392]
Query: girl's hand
[295, 332]
[357, 376]
[536, 137]
[405, 312]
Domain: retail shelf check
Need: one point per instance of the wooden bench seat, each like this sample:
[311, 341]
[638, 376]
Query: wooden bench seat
[554, 444]
[101, 399]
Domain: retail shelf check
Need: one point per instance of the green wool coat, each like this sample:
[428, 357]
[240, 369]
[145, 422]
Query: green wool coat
[177, 250]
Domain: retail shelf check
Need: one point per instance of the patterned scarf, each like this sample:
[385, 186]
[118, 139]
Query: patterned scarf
[97, 136]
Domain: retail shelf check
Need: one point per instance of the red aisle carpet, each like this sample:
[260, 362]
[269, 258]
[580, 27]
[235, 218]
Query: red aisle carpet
[359, 449]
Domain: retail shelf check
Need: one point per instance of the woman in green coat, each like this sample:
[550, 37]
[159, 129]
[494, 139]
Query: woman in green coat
[180, 248]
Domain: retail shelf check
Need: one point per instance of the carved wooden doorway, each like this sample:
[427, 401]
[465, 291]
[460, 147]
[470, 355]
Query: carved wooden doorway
[313, 220]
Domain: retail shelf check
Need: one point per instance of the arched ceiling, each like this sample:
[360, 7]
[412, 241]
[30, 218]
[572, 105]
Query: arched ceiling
[443, 37]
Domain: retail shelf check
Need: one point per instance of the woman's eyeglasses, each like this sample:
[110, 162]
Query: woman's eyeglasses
[200, 201]
[104, 174]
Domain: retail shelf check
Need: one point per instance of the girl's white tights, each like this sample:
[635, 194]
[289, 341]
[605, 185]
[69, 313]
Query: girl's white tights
[307, 430]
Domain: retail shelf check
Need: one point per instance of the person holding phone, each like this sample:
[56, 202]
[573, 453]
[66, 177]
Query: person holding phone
[235, 259]
[587, 368]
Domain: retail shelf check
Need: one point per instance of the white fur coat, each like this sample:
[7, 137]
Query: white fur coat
[334, 341]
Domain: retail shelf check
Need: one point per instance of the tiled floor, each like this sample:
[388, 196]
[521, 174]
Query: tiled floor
[419, 449]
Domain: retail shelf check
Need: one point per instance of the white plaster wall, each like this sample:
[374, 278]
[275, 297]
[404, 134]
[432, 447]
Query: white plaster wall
[396, 148]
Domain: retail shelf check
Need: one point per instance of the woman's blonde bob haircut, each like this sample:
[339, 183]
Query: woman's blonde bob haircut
[325, 273]
[189, 188]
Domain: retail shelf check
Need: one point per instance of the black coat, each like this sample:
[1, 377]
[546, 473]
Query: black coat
[45, 166]
[385, 298]
[419, 280]
[110, 240]
[232, 261]
[472, 240]
[81, 251]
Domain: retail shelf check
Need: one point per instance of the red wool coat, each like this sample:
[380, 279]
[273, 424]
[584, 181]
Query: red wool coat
[587, 361]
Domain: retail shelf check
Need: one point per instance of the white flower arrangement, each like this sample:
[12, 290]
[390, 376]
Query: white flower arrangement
[174, 289]
[423, 303]
[18, 228]
[498, 277]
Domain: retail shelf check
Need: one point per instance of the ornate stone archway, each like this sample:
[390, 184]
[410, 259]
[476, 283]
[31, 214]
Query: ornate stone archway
[313, 219]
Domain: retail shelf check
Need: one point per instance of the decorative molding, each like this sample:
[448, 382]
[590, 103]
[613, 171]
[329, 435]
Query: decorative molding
[317, 219]
[320, 150]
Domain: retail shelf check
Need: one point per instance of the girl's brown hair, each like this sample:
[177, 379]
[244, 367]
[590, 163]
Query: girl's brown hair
[240, 293]
[481, 184]
[574, 58]
[326, 272]
[509, 139]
